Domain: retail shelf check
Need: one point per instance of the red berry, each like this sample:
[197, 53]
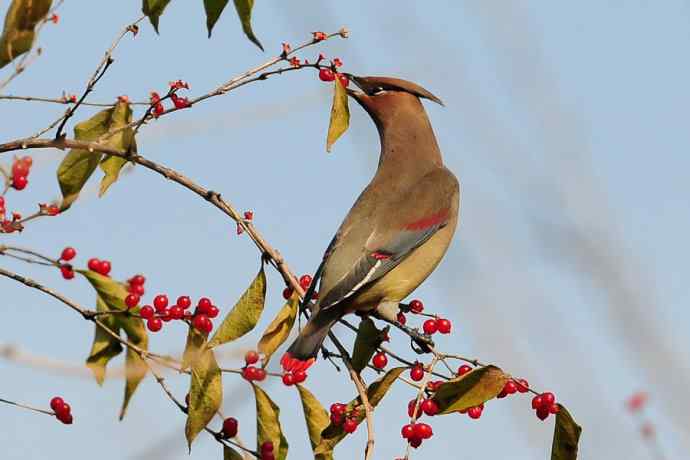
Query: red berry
[251, 357]
[554, 408]
[401, 318]
[266, 447]
[411, 408]
[343, 80]
[230, 426]
[165, 315]
[536, 402]
[260, 374]
[474, 412]
[415, 442]
[176, 312]
[337, 419]
[249, 373]
[326, 74]
[464, 369]
[429, 407]
[305, 281]
[416, 306]
[67, 271]
[154, 324]
[146, 312]
[444, 326]
[430, 326]
[407, 431]
[158, 110]
[542, 412]
[56, 402]
[63, 410]
[547, 399]
[137, 279]
[288, 379]
[510, 387]
[104, 267]
[417, 372]
[204, 303]
[380, 360]
[202, 323]
[338, 408]
[268, 456]
[350, 425]
[137, 289]
[184, 302]
[423, 431]
[522, 385]
[212, 311]
[132, 300]
[300, 376]
[68, 254]
[19, 168]
[67, 419]
[27, 160]
[180, 102]
[94, 264]
[287, 293]
[160, 302]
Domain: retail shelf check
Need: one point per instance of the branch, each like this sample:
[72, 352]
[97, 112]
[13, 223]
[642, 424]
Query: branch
[61, 100]
[25, 406]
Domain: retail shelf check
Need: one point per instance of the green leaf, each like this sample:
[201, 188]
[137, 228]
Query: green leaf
[105, 347]
[124, 141]
[279, 329]
[244, 11]
[205, 394]
[368, 340]
[244, 315]
[268, 424]
[135, 371]
[154, 9]
[112, 294]
[333, 434]
[316, 417]
[195, 344]
[213, 10]
[566, 435]
[231, 454]
[78, 165]
[340, 115]
[18, 34]
[472, 389]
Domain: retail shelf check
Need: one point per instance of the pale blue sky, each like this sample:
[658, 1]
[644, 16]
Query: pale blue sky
[566, 124]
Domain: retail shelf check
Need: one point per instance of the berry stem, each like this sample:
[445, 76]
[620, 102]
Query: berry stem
[26, 406]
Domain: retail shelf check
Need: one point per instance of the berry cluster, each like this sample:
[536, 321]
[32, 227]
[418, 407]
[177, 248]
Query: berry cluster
[102, 267]
[434, 325]
[63, 411]
[341, 417]
[251, 372]
[415, 433]
[427, 406]
[474, 412]
[160, 312]
[545, 404]
[135, 285]
[20, 172]
[514, 386]
[294, 377]
[66, 270]
[330, 73]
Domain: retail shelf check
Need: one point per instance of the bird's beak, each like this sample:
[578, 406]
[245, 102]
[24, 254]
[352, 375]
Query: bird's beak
[355, 94]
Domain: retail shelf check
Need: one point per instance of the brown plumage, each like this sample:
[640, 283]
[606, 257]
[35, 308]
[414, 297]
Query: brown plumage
[400, 226]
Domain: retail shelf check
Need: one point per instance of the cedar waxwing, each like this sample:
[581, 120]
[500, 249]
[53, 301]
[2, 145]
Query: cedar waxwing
[398, 229]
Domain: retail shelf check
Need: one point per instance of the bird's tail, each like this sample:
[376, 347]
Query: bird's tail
[303, 351]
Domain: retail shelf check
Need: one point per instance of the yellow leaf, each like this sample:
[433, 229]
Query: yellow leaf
[340, 115]
[194, 347]
[316, 417]
[472, 389]
[244, 315]
[205, 394]
[268, 424]
[105, 347]
[279, 329]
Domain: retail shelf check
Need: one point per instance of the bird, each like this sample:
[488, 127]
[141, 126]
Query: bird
[398, 229]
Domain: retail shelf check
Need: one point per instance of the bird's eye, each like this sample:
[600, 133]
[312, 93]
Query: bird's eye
[377, 90]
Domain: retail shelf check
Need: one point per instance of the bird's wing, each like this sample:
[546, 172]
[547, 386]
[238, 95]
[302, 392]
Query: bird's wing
[374, 239]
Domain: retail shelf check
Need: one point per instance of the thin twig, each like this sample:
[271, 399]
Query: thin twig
[62, 100]
[25, 406]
